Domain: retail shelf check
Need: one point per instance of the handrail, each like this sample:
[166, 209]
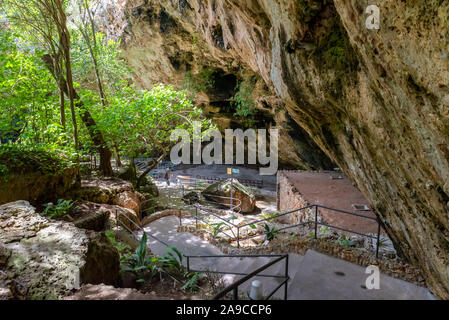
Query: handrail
[277, 216]
[188, 257]
[346, 212]
[315, 222]
[234, 286]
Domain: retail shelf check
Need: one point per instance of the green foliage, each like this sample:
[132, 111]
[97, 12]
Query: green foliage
[333, 49]
[26, 88]
[142, 265]
[21, 159]
[192, 282]
[217, 228]
[112, 67]
[242, 100]
[344, 241]
[58, 210]
[271, 216]
[123, 249]
[144, 120]
[139, 262]
[270, 233]
[324, 230]
[199, 82]
[171, 261]
[308, 10]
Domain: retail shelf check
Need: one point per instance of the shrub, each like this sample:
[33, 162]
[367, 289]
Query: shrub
[21, 159]
[58, 210]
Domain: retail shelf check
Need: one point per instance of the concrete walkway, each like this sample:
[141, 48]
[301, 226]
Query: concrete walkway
[313, 276]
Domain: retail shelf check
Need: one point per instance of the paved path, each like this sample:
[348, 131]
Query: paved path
[313, 276]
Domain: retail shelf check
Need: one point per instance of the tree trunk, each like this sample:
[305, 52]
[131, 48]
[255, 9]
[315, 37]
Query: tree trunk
[65, 43]
[89, 122]
[147, 171]
[118, 161]
[132, 170]
[62, 106]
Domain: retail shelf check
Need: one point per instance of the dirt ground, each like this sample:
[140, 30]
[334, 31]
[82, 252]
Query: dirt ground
[320, 188]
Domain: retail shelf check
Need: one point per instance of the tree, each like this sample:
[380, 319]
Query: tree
[142, 122]
[26, 91]
[84, 19]
[46, 21]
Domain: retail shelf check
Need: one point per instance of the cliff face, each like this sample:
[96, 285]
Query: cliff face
[375, 101]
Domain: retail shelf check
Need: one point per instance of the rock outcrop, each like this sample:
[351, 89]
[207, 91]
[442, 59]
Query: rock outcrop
[111, 195]
[50, 258]
[36, 187]
[375, 101]
[221, 191]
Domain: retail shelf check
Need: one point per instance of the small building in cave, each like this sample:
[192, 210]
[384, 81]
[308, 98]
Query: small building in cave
[299, 189]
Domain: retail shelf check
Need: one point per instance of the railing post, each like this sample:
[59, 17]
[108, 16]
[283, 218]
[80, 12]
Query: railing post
[316, 222]
[232, 209]
[236, 293]
[180, 218]
[196, 217]
[238, 237]
[378, 239]
[286, 276]
[188, 263]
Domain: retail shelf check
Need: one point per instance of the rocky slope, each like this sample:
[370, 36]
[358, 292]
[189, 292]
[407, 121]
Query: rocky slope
[46, 259]
[375, 101]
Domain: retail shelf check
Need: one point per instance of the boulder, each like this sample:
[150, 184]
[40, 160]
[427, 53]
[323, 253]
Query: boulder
[191, 197]
[111, 191]
[50, 258]
[239, 191]
[97, 216]
[149, 188]
[126, 216]
[90, 216]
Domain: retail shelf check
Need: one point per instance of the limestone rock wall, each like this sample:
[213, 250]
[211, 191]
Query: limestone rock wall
[375, 101]
[45, 259]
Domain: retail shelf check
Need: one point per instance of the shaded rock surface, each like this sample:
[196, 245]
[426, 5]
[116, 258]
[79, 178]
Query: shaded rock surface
[224, 188]
[375, 101]
[91, 216]
[49, 257]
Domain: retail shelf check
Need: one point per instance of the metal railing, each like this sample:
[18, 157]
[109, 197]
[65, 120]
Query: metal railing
[199, 178]
[236, 228]
[234, 286]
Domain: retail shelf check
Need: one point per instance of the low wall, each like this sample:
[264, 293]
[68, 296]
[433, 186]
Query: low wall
[288, 199]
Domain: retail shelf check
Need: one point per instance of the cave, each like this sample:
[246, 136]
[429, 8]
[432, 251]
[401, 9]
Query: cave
[356, 108]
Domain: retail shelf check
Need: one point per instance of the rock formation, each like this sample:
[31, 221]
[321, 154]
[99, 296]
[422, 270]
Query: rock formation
[222, 190]
[375, 101]
[46, 259]
[111, 195]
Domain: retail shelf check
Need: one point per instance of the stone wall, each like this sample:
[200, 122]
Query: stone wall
[288, 199]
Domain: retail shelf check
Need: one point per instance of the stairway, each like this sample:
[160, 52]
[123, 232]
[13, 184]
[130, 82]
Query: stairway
[314, 276]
